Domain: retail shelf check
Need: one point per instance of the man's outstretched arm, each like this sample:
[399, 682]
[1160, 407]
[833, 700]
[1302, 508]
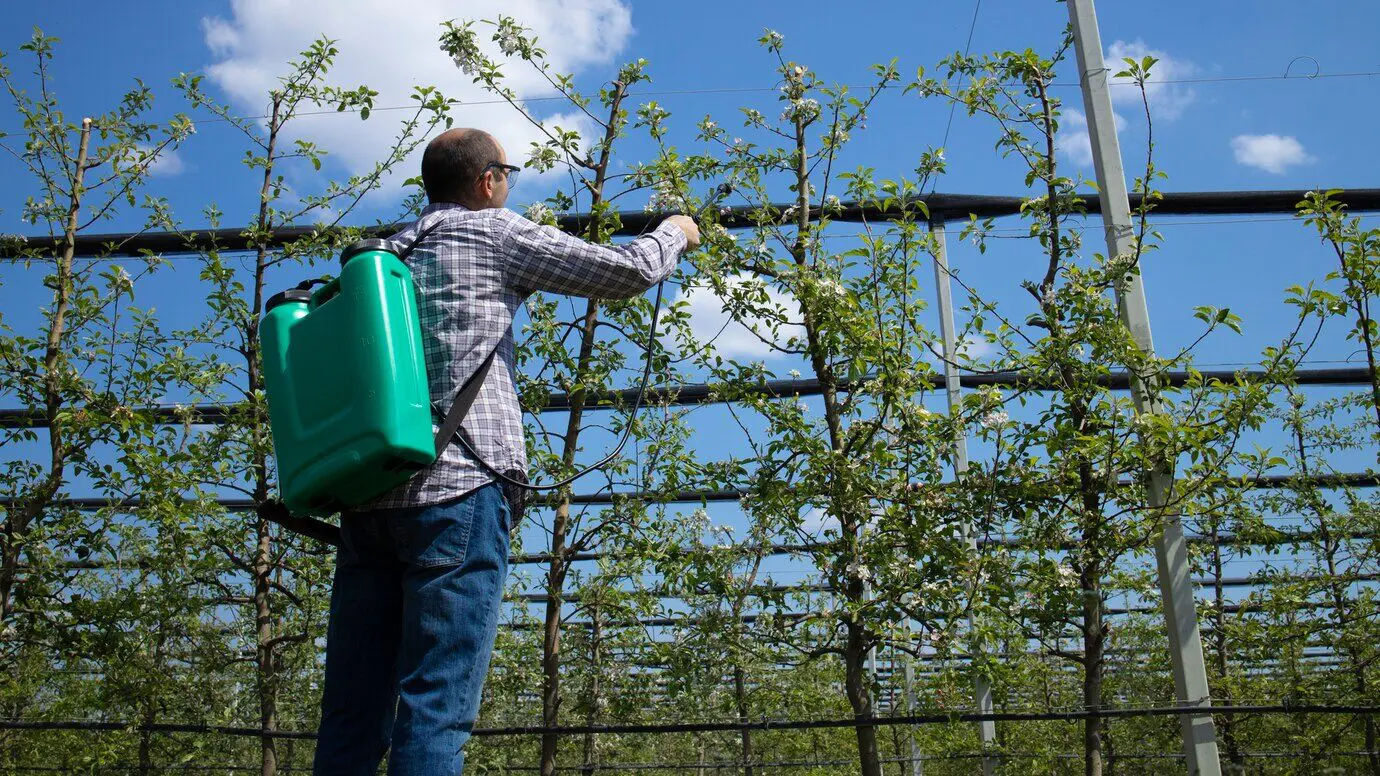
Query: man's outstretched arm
[543, 258]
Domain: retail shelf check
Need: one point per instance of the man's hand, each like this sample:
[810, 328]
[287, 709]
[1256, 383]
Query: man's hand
[687, 225]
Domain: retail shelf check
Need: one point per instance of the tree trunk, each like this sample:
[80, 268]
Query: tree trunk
[860, 697]
[265, 658]
[146, 740]
[740, 699]
[855, 652]
[1092, 669]
[551, 643]
[591, 754]
[17, 523]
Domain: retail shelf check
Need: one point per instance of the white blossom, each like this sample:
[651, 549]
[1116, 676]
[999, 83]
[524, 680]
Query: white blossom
[465, 61]
[721, 232]
[795, 374]
[995, 419]
[538, 212]
[831, 286]
[663, 197]
[859, 571]
[774, 39]
[121, 282]
[805, 110]
[802, 406]
[509, 42]
[1067, 576]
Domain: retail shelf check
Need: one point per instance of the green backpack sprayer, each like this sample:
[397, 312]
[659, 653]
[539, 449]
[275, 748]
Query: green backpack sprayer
[345, 375]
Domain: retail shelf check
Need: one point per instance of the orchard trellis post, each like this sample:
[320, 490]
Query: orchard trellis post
[982, 690]
[1171, 551]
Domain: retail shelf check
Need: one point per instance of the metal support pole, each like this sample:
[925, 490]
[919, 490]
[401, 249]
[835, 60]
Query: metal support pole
[1171, 552]
[982, 690]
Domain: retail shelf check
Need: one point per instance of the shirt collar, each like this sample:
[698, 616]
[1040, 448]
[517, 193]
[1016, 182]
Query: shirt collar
[437, 207]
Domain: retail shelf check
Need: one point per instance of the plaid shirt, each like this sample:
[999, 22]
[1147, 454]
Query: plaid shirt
[472, 274]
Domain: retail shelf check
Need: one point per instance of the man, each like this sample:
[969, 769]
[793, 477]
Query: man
[419, 574]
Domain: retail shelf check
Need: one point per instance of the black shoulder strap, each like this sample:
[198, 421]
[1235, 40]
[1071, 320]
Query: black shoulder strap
[463, 399]
[470, 390]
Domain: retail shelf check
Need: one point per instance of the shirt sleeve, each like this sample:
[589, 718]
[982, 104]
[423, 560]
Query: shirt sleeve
[543, 258]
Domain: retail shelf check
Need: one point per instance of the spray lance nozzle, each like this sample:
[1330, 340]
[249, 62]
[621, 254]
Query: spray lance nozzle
[714, 198]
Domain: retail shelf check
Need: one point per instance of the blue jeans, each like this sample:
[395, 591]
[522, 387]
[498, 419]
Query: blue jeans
[414, 610]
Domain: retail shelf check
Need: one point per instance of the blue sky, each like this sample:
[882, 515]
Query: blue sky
[1212, 134]
[1229, 121]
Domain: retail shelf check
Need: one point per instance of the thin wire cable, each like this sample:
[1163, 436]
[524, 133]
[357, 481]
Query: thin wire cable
[772, 89]
[977, 6]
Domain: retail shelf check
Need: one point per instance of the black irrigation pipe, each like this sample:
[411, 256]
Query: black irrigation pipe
[776, 550]
[705, 393]
[769, 550]
[929, 718]
[1256, 580]
[329, 533]
[736, 764]
[749, 619]
[948, 206]
[1264, 482]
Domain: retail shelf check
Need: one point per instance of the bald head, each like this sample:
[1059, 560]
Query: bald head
[454, 161]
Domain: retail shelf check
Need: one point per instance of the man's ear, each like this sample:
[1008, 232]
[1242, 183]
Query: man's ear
[485, 186]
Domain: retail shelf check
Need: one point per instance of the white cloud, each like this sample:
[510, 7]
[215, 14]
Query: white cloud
[1271, 153]
[168, 163]
[393, 47]
[1072, 139]
[220, 35]
[975, 347]
[711, 322]
[1167, 100]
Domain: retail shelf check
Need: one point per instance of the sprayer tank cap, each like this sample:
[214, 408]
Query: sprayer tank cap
[364, 246]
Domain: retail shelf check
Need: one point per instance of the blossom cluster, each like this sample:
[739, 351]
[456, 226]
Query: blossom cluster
[538, 212]
[802, 110]
[996, 419]
[664, 197]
